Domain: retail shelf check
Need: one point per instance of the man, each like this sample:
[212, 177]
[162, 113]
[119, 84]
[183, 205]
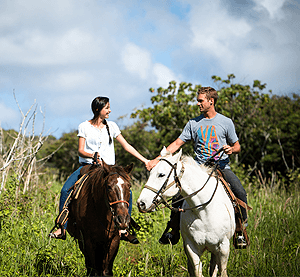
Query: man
[210, 131]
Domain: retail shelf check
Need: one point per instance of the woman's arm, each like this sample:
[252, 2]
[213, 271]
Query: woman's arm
[173, 147]
[81, 151]
[130, 149]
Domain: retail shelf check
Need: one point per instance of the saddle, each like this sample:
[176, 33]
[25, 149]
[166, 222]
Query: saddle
[237, 204]
[62, 218]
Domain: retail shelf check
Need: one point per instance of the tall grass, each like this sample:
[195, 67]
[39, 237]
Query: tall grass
[26, 250]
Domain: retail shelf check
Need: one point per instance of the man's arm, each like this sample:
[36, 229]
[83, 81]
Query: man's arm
[173, 147]
[234, 148]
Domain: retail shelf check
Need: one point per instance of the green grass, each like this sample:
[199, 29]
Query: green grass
[25, 249]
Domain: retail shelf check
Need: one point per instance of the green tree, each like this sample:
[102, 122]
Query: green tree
[142, 140]
[267, 126]
[171, 109]
[65, 153]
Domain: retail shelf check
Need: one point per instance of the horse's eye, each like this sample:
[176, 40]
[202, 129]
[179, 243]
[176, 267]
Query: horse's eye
[160, 175]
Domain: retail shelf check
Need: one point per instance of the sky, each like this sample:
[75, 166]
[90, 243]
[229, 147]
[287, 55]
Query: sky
[61, 54]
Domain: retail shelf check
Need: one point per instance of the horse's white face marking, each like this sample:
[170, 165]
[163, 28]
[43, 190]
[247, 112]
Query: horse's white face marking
[158, 176]
[119, 185]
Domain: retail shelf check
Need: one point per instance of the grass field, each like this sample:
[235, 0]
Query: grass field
[25, 249]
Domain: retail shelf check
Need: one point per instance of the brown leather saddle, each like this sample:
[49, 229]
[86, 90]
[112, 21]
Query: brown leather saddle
[237, 204]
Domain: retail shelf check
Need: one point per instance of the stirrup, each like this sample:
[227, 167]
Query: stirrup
[63, 234]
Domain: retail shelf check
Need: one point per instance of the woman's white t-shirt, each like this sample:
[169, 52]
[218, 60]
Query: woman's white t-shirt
[97, 140]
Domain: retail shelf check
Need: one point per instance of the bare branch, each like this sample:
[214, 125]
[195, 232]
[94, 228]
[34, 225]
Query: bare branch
[282, 152]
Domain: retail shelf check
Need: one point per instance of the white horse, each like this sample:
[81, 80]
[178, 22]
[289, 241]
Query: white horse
[208, 222]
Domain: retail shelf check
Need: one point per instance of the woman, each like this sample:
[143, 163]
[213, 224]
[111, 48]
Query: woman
[96, 135]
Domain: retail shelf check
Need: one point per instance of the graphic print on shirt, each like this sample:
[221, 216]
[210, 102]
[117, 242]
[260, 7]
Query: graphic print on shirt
[208, 140]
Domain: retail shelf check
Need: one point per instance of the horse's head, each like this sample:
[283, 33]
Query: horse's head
[117, 187]
[161, 181]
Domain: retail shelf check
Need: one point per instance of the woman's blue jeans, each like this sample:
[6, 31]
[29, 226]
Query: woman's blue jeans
[64, 193]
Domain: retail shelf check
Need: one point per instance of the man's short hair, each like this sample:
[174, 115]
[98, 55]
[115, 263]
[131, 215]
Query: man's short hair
[210, 93]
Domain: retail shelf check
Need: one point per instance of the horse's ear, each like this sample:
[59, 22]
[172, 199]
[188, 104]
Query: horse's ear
[177, 157]
[105, 166]
[128, 168]
[164, 152]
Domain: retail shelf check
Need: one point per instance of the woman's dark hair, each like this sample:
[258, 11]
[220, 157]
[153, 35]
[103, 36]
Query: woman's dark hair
[97, 105]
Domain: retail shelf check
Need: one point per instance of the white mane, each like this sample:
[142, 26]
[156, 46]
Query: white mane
[186, 159]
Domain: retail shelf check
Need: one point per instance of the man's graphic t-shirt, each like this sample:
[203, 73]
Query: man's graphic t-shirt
[209, 135]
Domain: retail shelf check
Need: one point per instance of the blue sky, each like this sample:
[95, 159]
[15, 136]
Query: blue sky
[64, 53]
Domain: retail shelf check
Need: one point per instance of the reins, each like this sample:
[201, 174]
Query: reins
[178, 184]
[109, 204]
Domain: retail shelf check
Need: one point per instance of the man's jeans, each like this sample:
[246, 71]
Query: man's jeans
[237, 188]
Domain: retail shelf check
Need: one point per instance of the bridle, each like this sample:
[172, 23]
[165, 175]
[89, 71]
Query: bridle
[165, 186]
[108, 203]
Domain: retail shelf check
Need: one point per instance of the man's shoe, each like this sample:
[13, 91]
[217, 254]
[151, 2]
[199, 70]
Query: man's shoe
[168, 238]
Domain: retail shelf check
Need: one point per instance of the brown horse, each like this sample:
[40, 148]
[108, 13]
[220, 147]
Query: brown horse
[100, 215]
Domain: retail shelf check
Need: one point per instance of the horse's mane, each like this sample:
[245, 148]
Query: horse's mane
[120, 170]
[186, 159]
[97, 175]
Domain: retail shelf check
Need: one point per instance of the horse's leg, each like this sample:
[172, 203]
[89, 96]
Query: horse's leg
[194, 262]
[109, 258]
[88, 251]
[222, 256]
[88, 264]
[213, 268]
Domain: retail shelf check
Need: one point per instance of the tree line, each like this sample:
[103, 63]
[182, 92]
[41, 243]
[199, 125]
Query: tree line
[267, 126]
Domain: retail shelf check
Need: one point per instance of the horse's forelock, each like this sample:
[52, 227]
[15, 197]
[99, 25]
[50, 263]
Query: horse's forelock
[98, 174]
[95, 176]
[120, 170]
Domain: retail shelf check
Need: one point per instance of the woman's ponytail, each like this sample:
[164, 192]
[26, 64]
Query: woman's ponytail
[107, 128]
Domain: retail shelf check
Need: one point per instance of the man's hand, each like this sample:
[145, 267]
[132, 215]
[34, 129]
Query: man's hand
[235, 148]
[227, 149]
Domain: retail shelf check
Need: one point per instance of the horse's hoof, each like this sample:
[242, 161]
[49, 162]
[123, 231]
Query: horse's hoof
[168, 238]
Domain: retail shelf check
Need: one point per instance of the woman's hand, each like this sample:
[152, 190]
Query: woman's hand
[98, 158]
[151, 164]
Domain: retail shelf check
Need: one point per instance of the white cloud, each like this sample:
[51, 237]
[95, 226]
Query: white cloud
[68, 80]
[163, 75]
[214, 30]
[274, 8]
[35, 48]
[64, 53]
[136, 60]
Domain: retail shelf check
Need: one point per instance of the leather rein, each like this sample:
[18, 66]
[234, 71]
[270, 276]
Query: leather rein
[166, 186]
[109, 204]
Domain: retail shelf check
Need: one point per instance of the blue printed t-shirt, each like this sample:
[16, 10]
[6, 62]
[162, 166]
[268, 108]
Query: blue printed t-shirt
[209, 135]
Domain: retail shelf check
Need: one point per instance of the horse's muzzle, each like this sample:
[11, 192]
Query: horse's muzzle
[122, 221]
[142, 207]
